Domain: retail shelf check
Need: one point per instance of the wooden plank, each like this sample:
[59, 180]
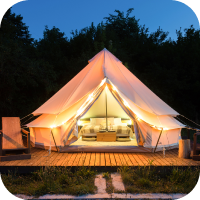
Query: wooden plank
[82, 159]
[92, 159]
[12, 131]
[59, 155]
[143, 158]
[140, 159]
[132, 159]
[37, 158]
[103, 161]
[174, 159]
[15, 157]
[97, 159]
[47, 161]
[123, 161]
[185, 162]
[61, 160]
[66, 159]
[128, 161]
[165, 160]
[14, 163]
[87, 159]
[106, 136]
[76, 161]
[154, 159]
[170, 159]
[117, 159]
[112, 160]
[107, 158]
[71, 161]
[21, 162]
[140, 163]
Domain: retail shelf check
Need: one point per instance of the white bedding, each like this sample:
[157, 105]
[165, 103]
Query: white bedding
[121, 129]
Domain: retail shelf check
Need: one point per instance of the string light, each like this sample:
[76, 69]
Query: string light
[91, 98]
[126, 103]
[114, 88]
[103, 81]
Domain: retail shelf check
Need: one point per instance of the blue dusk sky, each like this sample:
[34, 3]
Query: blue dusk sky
[68, 15]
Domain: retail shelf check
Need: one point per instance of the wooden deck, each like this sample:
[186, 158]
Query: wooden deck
[42, 158]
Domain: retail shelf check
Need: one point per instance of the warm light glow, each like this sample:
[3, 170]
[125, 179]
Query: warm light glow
[79, 122]
[90, 96]
[126, 104]
[79, 111]
[165, 129]
[114, 88]
[129, 122]
[91, 100]
[138, 118]
[103, 81]
[52, 126]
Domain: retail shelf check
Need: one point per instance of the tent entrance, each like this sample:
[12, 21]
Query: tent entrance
[105, 107]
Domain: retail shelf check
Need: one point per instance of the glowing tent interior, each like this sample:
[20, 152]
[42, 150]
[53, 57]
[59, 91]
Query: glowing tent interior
[105, 88]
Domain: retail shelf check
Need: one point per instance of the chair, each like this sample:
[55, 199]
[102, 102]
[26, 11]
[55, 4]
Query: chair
[195, 154]
[11, 144]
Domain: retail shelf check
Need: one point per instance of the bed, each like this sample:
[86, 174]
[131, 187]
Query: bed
[89, 131]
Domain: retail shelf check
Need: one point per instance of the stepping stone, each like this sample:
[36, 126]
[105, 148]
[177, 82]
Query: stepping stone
[117, 182]
[100, 183]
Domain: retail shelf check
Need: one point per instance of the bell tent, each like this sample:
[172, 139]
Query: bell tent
[107, 92]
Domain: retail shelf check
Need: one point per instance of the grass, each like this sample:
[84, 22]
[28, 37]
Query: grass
[146, 179]
[51, 180]
[109, 187]
[57, 180]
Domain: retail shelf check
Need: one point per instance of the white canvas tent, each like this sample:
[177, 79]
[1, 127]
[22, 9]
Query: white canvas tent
[83, 97]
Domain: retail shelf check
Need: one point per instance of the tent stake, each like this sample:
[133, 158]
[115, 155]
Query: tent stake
[54, 140]
[158, 140]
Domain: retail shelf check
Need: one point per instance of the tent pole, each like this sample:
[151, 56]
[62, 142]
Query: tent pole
[106, 110]
[158, 140]
[54, 140]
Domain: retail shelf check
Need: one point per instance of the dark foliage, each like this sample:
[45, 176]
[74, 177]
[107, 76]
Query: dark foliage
[32, 71]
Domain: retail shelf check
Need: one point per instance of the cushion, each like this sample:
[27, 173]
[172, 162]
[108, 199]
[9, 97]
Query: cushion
[117, 121]
[99, 120]
[89, 134]
[103, 123]
[111, 119]
[123, 139]
[93, 121]
[89, 139]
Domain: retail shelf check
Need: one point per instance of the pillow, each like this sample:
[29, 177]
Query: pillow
[93, 121]
[117, 121]
[111, 119]
[99, 120]
[103, 124]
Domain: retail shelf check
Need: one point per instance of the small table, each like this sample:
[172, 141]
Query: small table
[106, 136]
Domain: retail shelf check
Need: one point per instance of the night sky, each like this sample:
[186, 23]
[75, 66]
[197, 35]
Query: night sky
[68, 15]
